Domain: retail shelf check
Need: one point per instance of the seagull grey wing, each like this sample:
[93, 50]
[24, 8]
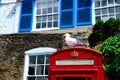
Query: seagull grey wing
[79, 42]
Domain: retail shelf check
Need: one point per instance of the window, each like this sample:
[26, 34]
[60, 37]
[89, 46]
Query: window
[110, 2]
[117, 1]
[104, 2]
[111, 10]
[97, 12]
[97, 3]
[47, 14]
[37, 63]
[117, 9]
[105, 9]
[118, 15]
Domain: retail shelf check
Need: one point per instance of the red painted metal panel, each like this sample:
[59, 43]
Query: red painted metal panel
[77, 62]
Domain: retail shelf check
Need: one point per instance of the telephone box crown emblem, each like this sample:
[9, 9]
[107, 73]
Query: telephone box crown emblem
[74, 54]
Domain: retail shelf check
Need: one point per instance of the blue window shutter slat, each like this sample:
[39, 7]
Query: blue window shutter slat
[84, 3]
[26, 16]
[84, 12]
[67, 4]
[83, 15]
[25, 21]
[67, 18]
[66, 13]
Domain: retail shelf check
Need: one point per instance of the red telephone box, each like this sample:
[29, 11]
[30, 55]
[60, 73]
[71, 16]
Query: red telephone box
[77, 64]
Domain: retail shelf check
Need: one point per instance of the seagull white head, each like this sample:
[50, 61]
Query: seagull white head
[67, 35]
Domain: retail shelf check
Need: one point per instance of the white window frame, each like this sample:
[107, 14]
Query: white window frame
[35, 52]
[48, 14]
[109, 15]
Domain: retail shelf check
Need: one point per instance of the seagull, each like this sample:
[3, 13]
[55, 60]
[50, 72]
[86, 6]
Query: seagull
[73, 42]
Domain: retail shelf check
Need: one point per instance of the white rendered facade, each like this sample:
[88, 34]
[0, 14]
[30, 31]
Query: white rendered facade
[48, 14]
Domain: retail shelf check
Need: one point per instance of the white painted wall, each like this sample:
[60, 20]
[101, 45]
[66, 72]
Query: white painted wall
[9, 17]
[8, 1]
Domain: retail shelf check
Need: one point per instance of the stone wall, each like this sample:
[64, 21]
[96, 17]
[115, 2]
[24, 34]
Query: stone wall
[13, 46]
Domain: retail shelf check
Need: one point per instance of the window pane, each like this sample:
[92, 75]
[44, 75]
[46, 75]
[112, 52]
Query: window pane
[104, 11]
[49, 24]
[40, 59]
[97, 12]
[97, 18]
[55, 9]
[111, 10]
[44, 18]
[44, 11]
[38, 25]
[89, 78]
[38, 4]
[40, 70]
[31, 70]
[55, 17]
[46, 69]
[104, 2]
[32, 60]
[38, 19]
[97, 3]
[55, 24]
[50, 17]
[110, 2]
[44, 25]
[38, 11]
[47, 59]
[117, 1]
[117, 9]
[50, 10]
[31, 78]
[40, 78]
[118, 16]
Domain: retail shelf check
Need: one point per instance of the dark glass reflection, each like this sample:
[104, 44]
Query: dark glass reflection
[32, 60]
[73, 78]
[31, 70]
[46, 69]
[31, 78]
[40, 59]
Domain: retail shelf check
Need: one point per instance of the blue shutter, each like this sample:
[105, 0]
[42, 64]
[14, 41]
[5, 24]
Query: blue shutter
[0, 1]
[26, 17]
[84, 12]
[66, 13]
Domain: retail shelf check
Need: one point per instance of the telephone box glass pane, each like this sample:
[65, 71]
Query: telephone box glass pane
[89, 78]
[73, 78]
